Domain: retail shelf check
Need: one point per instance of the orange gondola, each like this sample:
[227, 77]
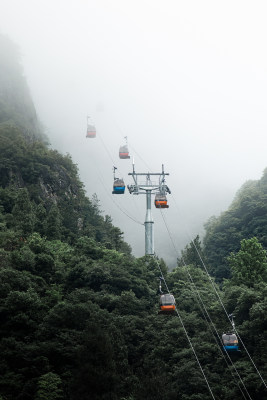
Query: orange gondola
[161, 201]
[167, 304]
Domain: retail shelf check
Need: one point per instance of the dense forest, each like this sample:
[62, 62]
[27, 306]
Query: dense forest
[245, 218]
[79, 313]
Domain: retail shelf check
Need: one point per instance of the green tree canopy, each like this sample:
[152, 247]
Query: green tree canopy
[249, 264]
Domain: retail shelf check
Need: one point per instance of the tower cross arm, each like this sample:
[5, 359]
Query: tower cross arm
[148, 173]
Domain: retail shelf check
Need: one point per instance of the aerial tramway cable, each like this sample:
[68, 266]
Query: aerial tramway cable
[187, 336]
[181, 321]
[220, 300]
[124, 211]
[178, 314]
[207, 313]
[129, 144]
[135, 152]
[116, 204]
[186, 333]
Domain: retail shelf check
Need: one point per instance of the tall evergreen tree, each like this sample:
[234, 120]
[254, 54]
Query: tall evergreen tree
[192, 254]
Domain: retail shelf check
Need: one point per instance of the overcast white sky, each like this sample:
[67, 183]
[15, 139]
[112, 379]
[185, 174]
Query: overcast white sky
[184, 80]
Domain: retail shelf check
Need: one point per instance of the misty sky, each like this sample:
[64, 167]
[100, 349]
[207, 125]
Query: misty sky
[184, 80]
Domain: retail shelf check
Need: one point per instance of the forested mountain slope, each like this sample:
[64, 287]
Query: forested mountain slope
[78, 312]
[245, 218]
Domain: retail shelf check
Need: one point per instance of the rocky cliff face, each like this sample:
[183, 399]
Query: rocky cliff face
[16, 106]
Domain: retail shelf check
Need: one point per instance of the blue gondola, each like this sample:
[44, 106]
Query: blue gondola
[230, 342]
[118, 186]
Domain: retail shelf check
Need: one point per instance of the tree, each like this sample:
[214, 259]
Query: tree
[249, 265]
[24, 217]
[53, 223]
[245, 218]
[49, 387]
[40, 223]
[192, 254]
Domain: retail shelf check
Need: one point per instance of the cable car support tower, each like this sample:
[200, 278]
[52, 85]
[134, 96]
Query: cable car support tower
[148, 187]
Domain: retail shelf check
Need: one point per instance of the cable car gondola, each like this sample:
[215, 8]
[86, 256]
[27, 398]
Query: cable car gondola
[123, 151]
[161, 201]
[118, 186]
[167, 304]
[91, 131]
[230, 342]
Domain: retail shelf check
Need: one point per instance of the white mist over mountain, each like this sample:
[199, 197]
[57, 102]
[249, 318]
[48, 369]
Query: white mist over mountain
[184, 81]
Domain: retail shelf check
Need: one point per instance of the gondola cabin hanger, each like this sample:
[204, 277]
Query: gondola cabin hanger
[91, 130]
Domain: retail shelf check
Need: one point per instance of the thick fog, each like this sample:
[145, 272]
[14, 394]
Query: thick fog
[185, 81]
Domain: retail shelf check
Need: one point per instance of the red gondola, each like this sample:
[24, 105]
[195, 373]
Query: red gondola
[91, 131]
[124, 152]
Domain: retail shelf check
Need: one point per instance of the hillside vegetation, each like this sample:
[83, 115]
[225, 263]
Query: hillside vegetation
[245, 218]
[79, 314]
